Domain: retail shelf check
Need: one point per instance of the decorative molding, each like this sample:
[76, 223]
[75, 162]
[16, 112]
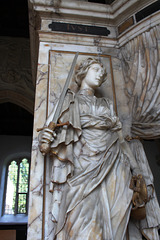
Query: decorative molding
[113, 14]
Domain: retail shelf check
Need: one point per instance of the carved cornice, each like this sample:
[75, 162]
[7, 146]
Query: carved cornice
[113, 14]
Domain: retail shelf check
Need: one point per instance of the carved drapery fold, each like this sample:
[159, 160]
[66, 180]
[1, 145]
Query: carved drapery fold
[141, 71]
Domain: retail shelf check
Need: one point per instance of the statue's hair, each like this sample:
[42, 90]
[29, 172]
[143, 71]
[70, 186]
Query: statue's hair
[84, 67]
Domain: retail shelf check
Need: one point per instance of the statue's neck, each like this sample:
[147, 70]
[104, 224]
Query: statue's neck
[86, 88]
[87, 91]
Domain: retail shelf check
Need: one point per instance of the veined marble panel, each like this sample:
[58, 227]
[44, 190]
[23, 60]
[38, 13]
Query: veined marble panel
[37, 160]
[96, 47]
[121, 99]
[60, 63]
[78, 39]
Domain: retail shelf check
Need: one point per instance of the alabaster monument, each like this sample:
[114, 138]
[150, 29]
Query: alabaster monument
[98, 190]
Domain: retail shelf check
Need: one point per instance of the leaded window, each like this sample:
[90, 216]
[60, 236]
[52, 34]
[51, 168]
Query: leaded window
[17, 187]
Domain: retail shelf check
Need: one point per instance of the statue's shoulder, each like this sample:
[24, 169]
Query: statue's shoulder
[106, 101]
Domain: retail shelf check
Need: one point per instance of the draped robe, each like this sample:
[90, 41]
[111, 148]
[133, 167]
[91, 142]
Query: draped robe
[90, 173]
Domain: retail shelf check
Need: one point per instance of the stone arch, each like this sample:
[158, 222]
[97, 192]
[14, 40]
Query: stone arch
[18, 99]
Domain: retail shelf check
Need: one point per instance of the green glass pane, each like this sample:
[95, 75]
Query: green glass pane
[22, 203]
[23, 177]
[11, 188]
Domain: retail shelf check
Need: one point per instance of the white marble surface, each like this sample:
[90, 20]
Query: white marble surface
[56, 52]
[77, 41]
[52, 76]
[52, 81]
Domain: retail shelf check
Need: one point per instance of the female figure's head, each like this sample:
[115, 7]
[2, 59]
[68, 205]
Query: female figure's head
[91, 74]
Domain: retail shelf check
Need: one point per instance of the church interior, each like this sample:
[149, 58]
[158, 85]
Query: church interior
[27, 32]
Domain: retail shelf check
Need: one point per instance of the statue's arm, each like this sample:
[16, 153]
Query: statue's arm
[125, 147]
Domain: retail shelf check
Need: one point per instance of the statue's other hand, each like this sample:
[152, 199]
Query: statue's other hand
[116, 124]
[136, 171]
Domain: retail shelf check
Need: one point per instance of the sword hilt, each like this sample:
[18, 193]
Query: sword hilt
[45, 147]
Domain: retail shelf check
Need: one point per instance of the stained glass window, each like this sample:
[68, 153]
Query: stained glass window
[16, 200]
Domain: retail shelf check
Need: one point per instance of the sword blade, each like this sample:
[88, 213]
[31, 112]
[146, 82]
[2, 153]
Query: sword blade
[63, 94]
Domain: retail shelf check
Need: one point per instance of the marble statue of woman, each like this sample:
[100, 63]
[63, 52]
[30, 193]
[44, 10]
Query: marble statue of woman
[91, 168]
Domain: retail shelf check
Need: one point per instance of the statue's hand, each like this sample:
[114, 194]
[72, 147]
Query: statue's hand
[117, 125]
[47, 136]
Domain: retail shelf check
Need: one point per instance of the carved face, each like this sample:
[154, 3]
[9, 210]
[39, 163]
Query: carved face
[94, 76]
